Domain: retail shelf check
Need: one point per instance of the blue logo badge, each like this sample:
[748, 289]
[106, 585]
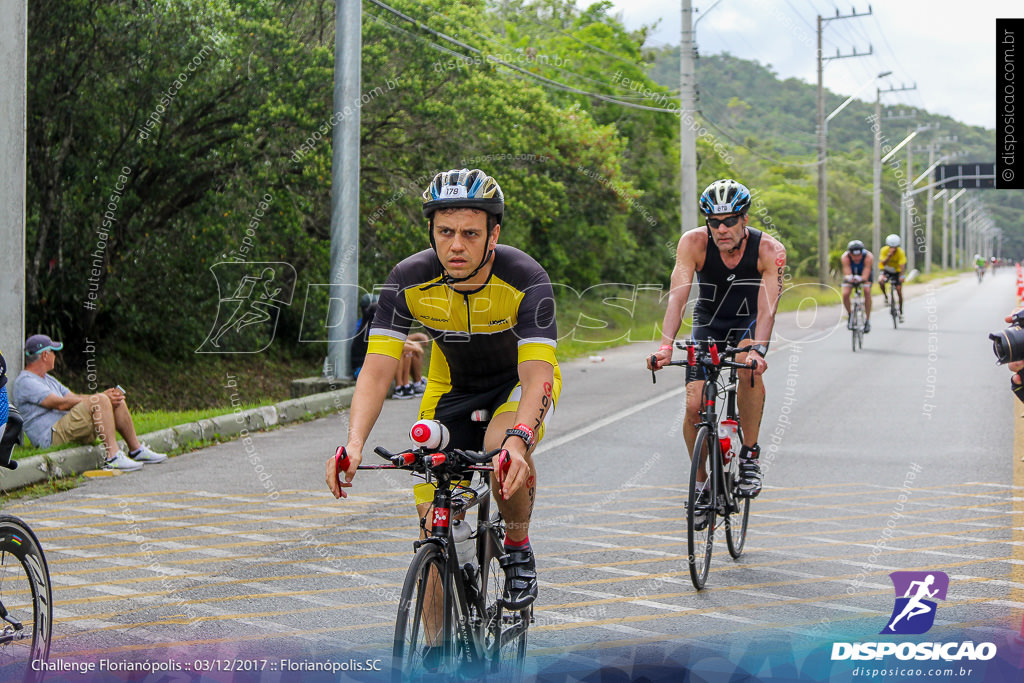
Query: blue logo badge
[914, 611]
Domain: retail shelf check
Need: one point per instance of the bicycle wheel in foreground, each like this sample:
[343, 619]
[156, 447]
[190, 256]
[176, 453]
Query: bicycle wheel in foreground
[700, 515]
[423, 651]
[894, 311]
[505, 631]
[26, 596]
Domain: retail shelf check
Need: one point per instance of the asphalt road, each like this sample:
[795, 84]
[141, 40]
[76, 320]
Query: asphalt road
[898, 457]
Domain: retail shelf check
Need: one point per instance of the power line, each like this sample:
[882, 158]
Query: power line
[533, 21]
[507, 65]
[488, 39]
[755, 153]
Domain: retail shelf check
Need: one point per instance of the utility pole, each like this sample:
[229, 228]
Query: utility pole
[876, 206]
[945, 235]
[909, 220]
[929, 212]
[687, 112]
[14, 66]
[908, 204]
[823, 142]
[344, 285]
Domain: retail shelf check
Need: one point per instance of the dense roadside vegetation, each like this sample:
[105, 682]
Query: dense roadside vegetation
[164, 140]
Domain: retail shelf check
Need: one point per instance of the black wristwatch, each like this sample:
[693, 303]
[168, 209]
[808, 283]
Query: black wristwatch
[522, 432]
[761, 349]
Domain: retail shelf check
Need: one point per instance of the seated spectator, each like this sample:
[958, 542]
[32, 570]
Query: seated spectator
[409, 379]
[54, 415]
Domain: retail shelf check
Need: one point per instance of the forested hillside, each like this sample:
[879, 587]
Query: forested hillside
[163, 140]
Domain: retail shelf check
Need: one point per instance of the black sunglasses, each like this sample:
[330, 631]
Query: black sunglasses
[729, 222]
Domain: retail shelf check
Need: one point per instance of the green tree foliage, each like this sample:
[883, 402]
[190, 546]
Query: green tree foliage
[165, 136]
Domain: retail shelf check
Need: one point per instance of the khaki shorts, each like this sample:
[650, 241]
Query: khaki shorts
[75, 427]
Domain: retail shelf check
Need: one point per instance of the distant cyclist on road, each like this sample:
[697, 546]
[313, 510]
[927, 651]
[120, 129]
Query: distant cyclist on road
[489, 309]
[738, 270]
[979, 266]
[892, 261]
[857, 263]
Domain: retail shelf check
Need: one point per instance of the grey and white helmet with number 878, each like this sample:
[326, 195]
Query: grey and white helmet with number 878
[723, 197]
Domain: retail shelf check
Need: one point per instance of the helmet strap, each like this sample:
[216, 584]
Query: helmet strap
[446, 278]
[743, 239]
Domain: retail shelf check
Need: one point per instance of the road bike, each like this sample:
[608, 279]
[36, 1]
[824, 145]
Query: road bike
[893, 280]
[26, 597]
[856, 323]
[716, 456]
[451, 620]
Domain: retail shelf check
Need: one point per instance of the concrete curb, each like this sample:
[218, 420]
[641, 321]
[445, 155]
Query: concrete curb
[39, 468]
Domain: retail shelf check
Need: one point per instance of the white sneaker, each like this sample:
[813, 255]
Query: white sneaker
[147, 455]
[120, 461]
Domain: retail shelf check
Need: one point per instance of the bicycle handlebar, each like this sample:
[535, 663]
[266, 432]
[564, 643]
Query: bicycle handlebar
[423, 460]
[709, 357]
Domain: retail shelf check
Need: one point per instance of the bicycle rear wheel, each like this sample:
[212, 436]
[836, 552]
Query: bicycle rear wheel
[424, 649]
[700, 534]
[504, 630]
[26, 600]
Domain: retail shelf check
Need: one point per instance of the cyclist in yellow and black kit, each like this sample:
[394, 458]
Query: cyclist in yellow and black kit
[489, 310]
[892, 261]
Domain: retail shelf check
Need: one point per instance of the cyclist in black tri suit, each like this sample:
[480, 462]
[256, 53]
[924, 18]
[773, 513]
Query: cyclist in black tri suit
[490, 312]
[739, 277]
[857, 264]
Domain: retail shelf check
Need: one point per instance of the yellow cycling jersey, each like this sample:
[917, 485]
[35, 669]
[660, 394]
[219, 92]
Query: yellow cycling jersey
[479, 337]
[892, 260]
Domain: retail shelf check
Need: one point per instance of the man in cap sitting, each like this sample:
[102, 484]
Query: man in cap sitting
[54, 415]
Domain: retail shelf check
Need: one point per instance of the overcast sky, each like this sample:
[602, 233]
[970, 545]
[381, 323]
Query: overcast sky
[946, 48]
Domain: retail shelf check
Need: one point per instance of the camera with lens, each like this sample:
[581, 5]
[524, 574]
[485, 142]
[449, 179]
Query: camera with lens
[1008, 345]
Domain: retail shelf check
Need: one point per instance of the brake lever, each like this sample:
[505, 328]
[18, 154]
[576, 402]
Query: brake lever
[654, 364]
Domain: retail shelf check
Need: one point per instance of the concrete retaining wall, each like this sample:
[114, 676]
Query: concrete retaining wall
[38, 468]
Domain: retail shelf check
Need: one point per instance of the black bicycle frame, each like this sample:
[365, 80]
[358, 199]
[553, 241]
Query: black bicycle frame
[441, 536]
[710, 419]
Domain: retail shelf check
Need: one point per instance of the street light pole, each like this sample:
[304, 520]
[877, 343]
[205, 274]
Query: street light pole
[343, 292]
[823, 140]
[823, 172]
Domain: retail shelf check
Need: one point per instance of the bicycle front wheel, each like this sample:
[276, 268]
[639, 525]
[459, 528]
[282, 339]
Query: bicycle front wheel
[504, 630]
[894, 311]
[736, 527]
[700, 514]
[855, 318]
[424, 647]
[25, 602]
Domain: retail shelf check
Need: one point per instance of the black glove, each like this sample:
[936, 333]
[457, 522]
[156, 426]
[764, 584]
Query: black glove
[1018, 389]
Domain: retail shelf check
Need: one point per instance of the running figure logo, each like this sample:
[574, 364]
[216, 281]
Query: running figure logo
[250, 299]
[914, 612]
